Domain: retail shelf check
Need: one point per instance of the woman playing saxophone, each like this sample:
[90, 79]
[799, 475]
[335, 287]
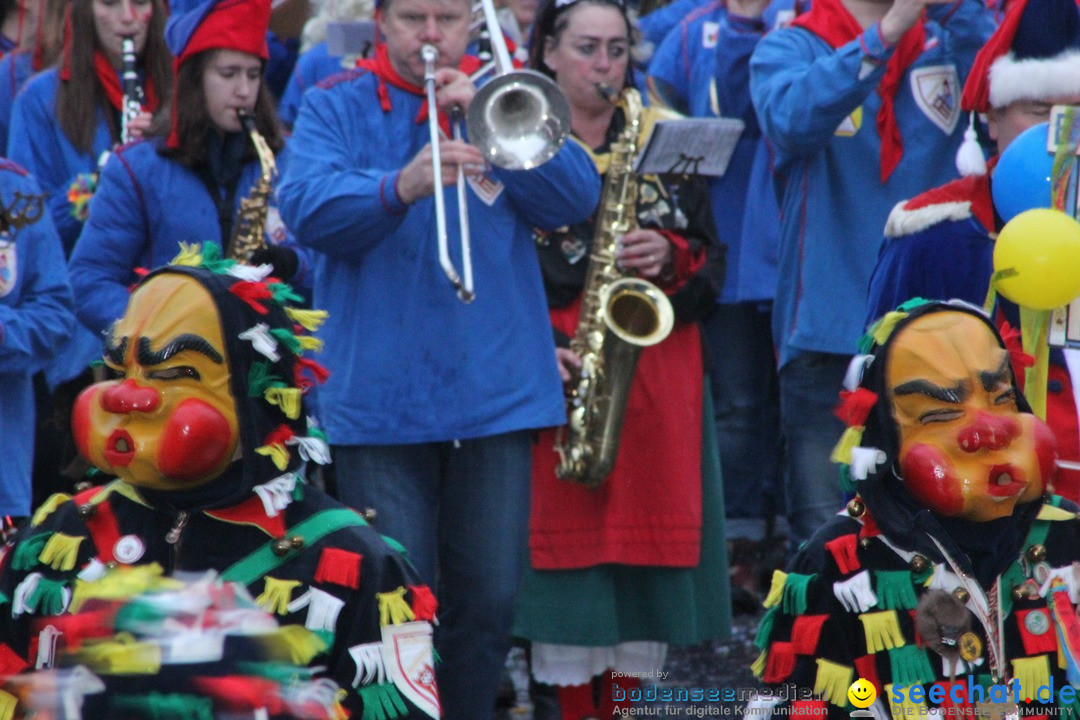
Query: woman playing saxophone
[631, 550]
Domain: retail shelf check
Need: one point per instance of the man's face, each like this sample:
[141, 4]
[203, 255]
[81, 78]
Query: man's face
[965, 448]
[169, 422]
[408, 25]
[1004, 124]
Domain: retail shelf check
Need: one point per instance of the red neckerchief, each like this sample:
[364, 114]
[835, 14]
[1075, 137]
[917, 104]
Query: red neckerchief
[381, 67]
[114, 91]
[831, 21]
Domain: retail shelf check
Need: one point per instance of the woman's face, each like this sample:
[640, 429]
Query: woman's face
[231, 82]
[524, 12]
[592, 50]
[116, 19]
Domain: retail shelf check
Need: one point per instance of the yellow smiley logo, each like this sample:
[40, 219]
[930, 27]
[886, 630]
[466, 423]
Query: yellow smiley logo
[862, 693]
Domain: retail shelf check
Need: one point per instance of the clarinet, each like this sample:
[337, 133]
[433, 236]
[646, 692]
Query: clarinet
[133, 94]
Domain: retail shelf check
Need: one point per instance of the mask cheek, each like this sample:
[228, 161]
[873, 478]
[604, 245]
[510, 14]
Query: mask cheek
[929, 477]
[85, 428]
[196, 442]
[1046, 451]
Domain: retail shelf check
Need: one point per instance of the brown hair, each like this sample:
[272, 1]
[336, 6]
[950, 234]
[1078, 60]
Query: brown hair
[193, 122]
[551, 20]
[81, 96]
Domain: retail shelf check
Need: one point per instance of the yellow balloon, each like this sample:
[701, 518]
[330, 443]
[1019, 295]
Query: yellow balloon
[1037, 259]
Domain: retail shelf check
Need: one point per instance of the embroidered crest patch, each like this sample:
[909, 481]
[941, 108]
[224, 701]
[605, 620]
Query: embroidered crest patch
[937, 93]
[486, 187]
[8, 268]
[710, 31]
[851, 124]
[410, 663]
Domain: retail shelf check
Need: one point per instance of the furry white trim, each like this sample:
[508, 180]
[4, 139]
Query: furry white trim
[1012, 80]
[903, 222]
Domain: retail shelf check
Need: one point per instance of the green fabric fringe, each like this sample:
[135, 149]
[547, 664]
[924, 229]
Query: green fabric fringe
[894, 590]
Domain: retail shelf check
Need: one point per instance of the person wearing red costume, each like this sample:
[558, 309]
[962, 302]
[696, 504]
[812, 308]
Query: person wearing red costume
[940, 244]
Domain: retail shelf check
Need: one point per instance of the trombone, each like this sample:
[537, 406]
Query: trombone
[518, 120]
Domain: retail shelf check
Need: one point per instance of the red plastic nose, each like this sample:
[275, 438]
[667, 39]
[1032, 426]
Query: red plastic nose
[988, 432]
[128, 397]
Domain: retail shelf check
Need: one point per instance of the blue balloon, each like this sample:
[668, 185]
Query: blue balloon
[1021, 180]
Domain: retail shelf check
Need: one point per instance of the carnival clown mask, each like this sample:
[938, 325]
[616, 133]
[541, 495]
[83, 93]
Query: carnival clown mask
[966, 449]
[169, 422]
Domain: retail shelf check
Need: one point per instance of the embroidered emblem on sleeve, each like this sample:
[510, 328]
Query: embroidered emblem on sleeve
[937, 93]
[410, 663]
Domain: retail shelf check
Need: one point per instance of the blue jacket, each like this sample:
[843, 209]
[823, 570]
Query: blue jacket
[656, 25]
[817, 107]
[35, 318]
[314, 65]
[702, 68]
[409, 362]
[15, 69]
[144, 207]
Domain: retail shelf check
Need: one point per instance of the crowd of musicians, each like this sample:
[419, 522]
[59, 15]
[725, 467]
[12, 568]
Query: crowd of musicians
[125, 148]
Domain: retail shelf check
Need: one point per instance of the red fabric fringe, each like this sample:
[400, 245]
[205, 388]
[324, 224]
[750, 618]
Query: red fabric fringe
[279, 435]
[424, 603]
[805, 633]
[318, 373]
[844, 551]
[252, 293]
[866, 668]
[855, 406]
[339, 567]
[780, 663]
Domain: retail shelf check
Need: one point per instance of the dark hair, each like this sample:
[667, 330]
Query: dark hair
[80, 96]
[193, 122]
[552, 19]
[7, 7]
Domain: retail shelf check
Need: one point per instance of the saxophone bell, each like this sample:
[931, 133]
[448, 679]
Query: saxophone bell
[249, 228]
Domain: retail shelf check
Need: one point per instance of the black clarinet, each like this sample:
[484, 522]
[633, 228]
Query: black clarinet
[133, 93]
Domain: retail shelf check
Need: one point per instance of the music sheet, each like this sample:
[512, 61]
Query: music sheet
[690, 146]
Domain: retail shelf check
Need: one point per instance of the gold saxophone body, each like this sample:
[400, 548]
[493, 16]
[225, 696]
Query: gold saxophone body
[249, 229]
[620, 314]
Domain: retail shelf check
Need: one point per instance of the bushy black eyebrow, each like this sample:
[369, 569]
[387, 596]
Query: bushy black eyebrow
[990, 379]
[115, 352]
[956, 394]
[188, 341]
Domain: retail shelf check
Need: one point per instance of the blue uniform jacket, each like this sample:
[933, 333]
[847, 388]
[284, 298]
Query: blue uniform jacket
[703, 68]
[35, 319]
[409, 362]
[314, 65]
[818, 109]
[15, 69]
[144, 207]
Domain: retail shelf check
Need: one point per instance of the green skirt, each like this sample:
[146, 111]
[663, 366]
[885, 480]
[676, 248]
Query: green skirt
[606, 605]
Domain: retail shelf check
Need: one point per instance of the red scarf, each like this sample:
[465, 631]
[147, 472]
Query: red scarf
[114, 91]
[381, 67]
[831, 21]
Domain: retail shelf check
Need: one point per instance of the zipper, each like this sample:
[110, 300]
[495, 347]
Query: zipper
[173, 536]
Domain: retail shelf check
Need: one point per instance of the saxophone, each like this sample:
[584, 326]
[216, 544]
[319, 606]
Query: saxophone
[620, 315]
[249, 229]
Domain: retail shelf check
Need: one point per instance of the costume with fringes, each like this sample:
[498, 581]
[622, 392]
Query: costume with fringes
[846, 609]
[303, 556]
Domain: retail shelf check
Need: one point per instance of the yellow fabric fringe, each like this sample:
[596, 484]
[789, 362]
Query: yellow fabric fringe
[61, 551]
[393, 610]
[882, 631]
[8, 702]
[120, 655]
[276, 595]
[850, 439]
[1033, 673]
[832, 682]
[1054, 514]
[190, 255]
[288, 399]
[776, 591]
[292, 643]
[758, 668]
[310, 343]
[120, 584]
[907, 708]
[886, 325]
[278, 453]
[310, 319]
[47, 508]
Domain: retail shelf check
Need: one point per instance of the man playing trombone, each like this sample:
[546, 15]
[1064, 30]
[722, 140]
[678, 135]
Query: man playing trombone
[432, 400]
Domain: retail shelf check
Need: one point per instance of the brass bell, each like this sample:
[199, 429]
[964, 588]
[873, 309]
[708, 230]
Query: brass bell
[1027, 590]
[87, 511]
[282, 546]
[865, 542]
[919, 564]
[961, 594]
[296, 542]
[369, 515]
[1036, 553]
[1019, 593]
[112, 565]
[855, 507]
[83, 486]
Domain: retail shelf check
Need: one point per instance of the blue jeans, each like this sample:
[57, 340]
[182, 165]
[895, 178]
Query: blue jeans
[810, 387]
[746, 399]
[462, 512]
